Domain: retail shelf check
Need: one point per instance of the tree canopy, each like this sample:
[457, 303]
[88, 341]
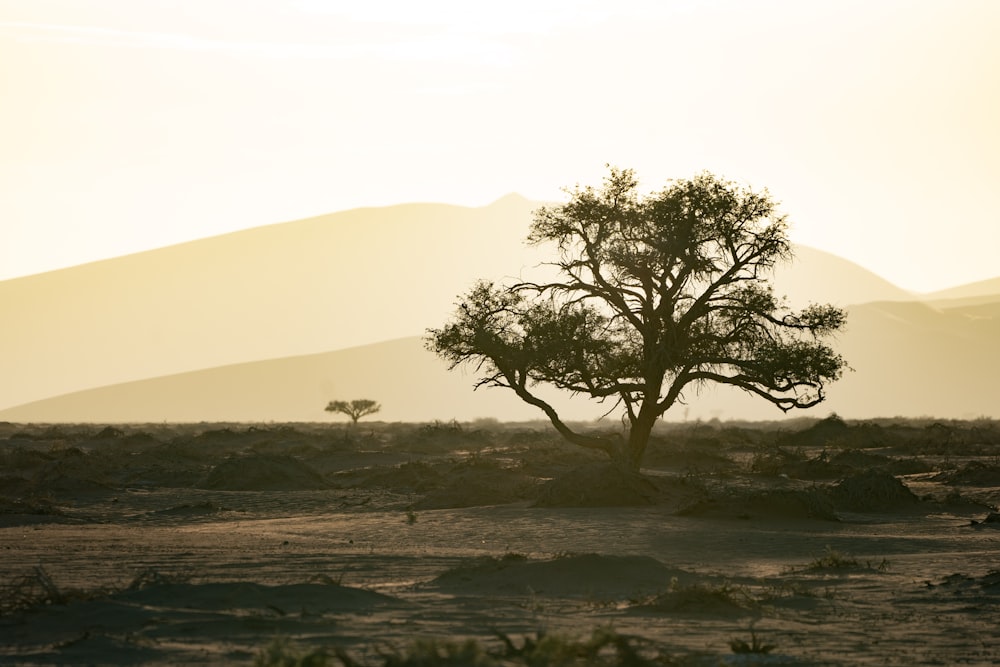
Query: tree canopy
[355, 409]
[654, 294]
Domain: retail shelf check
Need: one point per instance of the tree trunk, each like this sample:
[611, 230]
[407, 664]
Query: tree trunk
[638, 437]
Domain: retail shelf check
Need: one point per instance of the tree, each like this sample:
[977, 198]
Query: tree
[356, 409]
[653, 295]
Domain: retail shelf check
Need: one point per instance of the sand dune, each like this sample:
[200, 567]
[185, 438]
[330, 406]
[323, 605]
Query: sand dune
[309, 286]
[909, 359]
[313, 285]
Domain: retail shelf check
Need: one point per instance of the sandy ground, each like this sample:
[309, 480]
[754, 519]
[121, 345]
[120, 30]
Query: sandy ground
[837, 545]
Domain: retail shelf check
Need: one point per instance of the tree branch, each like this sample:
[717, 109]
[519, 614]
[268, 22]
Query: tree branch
[518, 384]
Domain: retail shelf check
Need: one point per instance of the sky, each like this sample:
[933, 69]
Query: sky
[127, 125]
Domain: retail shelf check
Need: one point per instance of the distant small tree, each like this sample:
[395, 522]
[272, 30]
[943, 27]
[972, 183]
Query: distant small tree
[655, 295]
[355, 409]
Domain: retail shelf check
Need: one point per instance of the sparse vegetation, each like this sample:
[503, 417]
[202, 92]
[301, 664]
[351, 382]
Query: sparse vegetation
[282, 653]
[756, 645]
[603, 648]
[161, 477]
[702, 597]
[38, 589]
[835, 560]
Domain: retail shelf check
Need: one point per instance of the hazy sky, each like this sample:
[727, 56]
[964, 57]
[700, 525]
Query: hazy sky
[131, 124]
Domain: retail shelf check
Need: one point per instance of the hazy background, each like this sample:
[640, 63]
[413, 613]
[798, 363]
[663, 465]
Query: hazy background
[271, 323]
[131, 125]
[149, 151]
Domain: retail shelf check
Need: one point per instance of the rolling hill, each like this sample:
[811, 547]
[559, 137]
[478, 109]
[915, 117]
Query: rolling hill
[319, 284]
[909, 359]
[241, 326]
[409, 382]
[977, 290]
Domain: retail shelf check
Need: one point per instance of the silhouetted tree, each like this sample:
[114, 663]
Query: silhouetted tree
[654, 294]
[356, 409]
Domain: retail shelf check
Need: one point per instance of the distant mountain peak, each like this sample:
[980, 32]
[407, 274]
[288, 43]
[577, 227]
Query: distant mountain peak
[511, 199]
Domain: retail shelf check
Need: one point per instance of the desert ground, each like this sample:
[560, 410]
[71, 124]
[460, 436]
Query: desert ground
[813, 542]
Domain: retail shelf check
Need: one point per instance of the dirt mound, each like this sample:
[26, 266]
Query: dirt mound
[22, 460]
[826, 431]
[410, 477]
[105, 435]
[539, 455]
[606, 485]
[18, 512]
[263, 473]
[162, 475]
[818, 468]
[61, 486]
[777, 504]
[956, 503]
[973, 473]
[854, 459]
[909, 466]
[690, 457]
[701, 598]
[584, 575]
[992, 520]
[480, 484]
[872, 491]
[56, 479]
[441, 437]
[774, 461]
[965, 585]
[825, 466]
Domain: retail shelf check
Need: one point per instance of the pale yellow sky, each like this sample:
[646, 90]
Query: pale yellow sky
[131, 124]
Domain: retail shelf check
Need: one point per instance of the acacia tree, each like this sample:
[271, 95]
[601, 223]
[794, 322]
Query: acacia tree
[356, 409]
[654, 294]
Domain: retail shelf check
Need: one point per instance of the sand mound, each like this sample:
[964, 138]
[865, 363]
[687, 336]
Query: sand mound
[872, 491]
[992, 520]
[973, 473]
[24, 461]
[24, 512]
[263, 473]
[571, 576]
[854, 459]
[182, 623]
[701, 598]
[791, 504]
[606, 485]
[909, 466]
[956, 503]
[826, 431]
[843, 463]
[690, 457]
[985, 587]
[62, 486]
[410, 477]
[479, 484]
[776, 504]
